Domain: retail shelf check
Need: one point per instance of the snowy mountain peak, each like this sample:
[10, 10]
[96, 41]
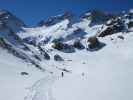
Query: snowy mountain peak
[4, 12]
[9, 22]
[34, 44]
[56, 19]
[97, 16]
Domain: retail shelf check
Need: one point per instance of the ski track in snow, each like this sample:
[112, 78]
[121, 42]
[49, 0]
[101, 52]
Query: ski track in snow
[41, 89]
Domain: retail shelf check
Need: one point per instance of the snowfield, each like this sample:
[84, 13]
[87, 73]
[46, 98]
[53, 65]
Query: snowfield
[107, 75]
[42, 63]
[14, 86]
[101, 75]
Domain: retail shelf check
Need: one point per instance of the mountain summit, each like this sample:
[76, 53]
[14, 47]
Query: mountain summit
[7, 20]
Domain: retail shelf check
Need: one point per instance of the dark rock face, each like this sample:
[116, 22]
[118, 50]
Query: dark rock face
[94, 44]
[130, 15]
[109, 31]
[46, 56]
[63, 47]
[58, 40]
[58, 45]
[130, 24]
[44, 53]
[77, 44]
[115, 26]
[2, 42]
[37, 57]
[58, 58]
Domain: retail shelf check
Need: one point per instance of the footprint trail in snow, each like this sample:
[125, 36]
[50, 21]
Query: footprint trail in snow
[41, 90]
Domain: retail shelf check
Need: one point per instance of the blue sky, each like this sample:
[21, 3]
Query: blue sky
[32, 11]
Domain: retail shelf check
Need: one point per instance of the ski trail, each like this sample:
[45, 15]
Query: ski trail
[41, 90]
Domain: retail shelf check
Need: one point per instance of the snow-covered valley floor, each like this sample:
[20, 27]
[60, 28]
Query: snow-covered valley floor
[100, 75]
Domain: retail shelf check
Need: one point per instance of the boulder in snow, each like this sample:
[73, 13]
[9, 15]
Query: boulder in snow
[63, 47]
[24, 73]
[94, 44]
[58, 58]
[121, 37]
[77, 44]
[130, 24]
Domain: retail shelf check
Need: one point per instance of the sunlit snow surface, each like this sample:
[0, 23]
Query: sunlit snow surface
[105, 74]
[102, 75]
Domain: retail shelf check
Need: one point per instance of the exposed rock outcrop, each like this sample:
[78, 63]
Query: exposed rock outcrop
[114, 26]
[58, 58]
[94, 44]
[63, 47]
[77, 44]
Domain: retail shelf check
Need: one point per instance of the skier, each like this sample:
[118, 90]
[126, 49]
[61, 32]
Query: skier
[62, 74]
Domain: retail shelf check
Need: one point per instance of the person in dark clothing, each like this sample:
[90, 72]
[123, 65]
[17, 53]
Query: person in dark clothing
[62, 74]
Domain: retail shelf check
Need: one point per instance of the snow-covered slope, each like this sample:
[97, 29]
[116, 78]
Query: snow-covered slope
[14, 85]
[61, 59]
[102, 75]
